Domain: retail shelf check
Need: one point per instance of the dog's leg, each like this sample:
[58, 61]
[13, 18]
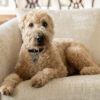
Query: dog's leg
[9, 84]
[79, 57]
[42, 77]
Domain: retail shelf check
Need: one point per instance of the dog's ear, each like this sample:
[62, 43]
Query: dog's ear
[52, 24]
[21, 22]
[51, 20]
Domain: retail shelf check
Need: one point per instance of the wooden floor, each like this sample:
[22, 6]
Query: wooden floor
[4, 18]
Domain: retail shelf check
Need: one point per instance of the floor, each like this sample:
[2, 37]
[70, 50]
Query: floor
[4, 18]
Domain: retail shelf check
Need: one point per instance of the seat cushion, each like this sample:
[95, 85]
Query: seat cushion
[68, 88]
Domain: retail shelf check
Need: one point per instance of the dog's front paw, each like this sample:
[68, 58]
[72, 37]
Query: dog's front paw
[39, 80]
[6, 90]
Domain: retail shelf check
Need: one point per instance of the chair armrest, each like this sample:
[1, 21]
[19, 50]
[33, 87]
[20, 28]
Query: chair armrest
[10, 43]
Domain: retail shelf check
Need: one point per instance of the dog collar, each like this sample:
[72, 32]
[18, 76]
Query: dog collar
[35, 54]
[36, 50]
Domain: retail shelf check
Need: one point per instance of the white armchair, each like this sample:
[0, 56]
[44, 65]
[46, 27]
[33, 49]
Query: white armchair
[82, 25]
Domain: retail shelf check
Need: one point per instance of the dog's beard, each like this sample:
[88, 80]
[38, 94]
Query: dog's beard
[35, 54]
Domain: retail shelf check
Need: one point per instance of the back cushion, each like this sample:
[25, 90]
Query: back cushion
[80, 25]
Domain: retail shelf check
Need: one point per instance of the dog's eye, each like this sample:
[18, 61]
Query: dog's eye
[44, 24]
[31, 24]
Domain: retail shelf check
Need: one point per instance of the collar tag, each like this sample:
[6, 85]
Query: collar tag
[35, 57]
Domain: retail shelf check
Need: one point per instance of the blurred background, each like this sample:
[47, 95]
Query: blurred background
[8, 7]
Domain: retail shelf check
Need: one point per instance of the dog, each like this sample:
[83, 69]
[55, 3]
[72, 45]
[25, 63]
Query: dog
[43, 58]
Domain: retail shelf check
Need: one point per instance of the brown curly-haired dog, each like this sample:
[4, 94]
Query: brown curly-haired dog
[41, 58]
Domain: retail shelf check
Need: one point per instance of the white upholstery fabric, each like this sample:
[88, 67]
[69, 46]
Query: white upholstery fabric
[69, 88]
[10, 42]
[82, 25]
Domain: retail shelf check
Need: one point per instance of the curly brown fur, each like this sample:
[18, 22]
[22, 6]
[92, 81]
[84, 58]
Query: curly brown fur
[58, 58]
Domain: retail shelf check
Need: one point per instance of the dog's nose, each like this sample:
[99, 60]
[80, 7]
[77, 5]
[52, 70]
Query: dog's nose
[40, 39]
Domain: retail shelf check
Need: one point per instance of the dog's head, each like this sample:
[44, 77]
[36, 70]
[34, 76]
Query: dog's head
[37, 29]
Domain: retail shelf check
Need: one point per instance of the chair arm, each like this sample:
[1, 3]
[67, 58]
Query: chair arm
[10, 43]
